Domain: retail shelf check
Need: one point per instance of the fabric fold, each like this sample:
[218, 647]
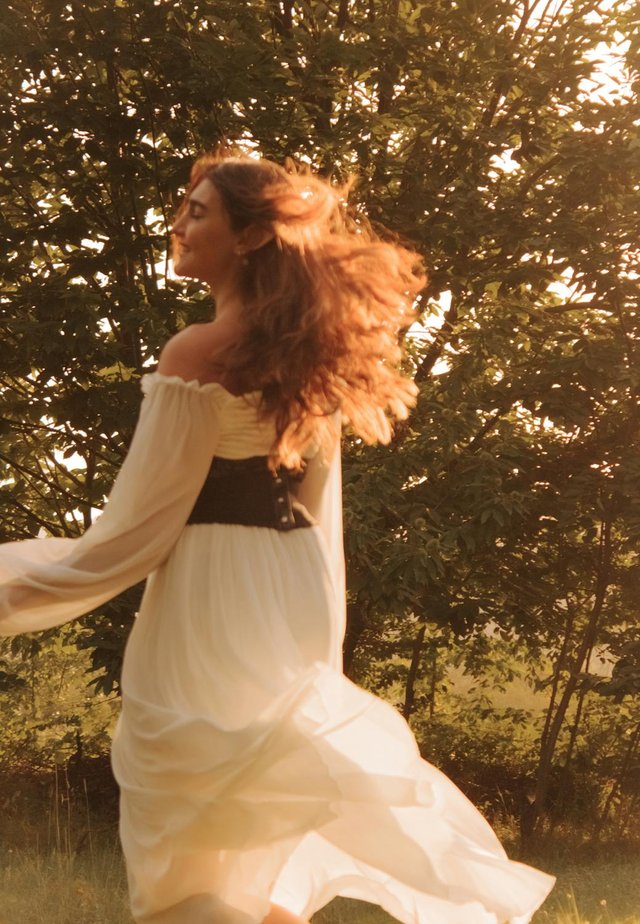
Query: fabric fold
[325, 757]
[251, 770]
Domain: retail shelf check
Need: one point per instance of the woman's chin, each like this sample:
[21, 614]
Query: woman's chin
[184, 272]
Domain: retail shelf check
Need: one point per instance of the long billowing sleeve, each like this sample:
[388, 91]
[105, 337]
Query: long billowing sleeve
[321, 493]
[45, 582]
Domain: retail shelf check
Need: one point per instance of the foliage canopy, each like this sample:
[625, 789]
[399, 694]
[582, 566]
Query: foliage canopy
[509, 506]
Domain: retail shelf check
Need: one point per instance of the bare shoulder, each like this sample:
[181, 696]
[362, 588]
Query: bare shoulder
[188, 353]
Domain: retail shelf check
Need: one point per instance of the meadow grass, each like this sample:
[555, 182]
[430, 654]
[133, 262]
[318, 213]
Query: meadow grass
[57, 888]
[60, 863]
[53, 886]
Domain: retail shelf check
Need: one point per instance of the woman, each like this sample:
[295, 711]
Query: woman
[256, 781]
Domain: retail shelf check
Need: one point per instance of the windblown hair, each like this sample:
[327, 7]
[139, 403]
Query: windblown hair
[324, 303]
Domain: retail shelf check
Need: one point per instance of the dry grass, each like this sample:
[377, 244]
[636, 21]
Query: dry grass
[58, 888]
[60, 864]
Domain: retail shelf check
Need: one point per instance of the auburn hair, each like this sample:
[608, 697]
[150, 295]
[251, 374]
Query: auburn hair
[325, 302]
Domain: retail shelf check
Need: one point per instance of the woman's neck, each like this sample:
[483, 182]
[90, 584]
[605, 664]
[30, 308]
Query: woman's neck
[227, 302]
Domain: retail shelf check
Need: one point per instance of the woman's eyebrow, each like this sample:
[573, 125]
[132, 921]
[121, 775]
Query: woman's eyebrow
[193, 201]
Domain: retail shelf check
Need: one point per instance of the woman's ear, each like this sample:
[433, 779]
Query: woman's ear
[255, 237]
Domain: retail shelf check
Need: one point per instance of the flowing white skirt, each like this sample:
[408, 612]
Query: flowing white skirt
[253, 772]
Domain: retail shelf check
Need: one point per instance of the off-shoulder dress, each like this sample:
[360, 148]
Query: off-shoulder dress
[252, 771]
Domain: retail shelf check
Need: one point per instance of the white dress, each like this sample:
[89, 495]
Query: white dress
[251, 770]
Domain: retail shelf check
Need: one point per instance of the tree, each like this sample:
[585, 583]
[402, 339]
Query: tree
[479, 133]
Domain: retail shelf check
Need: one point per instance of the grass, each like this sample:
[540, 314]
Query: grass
[601, 888]
[60, 863]
[56, 887]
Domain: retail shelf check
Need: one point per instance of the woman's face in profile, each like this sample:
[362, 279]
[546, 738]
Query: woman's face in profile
[206, 242]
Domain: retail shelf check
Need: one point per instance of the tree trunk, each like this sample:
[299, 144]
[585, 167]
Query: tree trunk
[531, 825]
[356, 624]
[409, 692]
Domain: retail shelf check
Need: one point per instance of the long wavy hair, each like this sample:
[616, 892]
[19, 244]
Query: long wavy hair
[325, 303]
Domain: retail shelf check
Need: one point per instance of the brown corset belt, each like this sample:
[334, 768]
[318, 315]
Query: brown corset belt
[246, 492]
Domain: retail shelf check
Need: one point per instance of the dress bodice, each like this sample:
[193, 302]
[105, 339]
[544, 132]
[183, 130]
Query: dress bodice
[241, 432]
